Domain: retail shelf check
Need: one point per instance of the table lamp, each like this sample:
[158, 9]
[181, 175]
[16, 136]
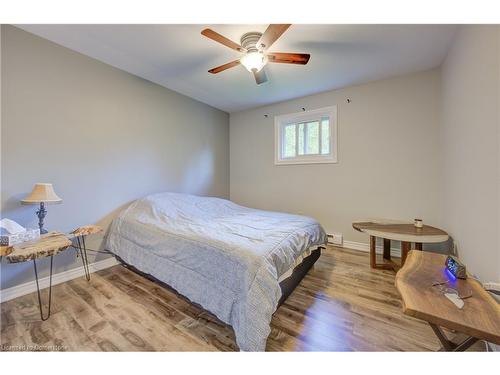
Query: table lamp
[42, 193]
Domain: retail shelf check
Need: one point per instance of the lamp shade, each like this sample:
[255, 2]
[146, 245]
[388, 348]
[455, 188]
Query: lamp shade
[42, 193]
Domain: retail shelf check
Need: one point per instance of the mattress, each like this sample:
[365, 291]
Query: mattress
[225, 257]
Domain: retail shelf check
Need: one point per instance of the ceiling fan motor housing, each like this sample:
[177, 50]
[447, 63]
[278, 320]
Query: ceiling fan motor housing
[249, 41]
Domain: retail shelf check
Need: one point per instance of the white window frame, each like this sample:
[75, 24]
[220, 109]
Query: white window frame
[306, 116]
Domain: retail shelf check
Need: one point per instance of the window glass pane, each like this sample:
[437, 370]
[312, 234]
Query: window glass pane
[305, 138]
[325, 136]
[301, 130]
[312, 138]
[289, 141]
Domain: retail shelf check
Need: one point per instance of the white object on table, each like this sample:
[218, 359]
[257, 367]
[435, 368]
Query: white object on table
[12, 233]
[11, 226]
[457, 301]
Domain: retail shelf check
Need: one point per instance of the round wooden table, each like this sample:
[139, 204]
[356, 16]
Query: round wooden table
[404, 232]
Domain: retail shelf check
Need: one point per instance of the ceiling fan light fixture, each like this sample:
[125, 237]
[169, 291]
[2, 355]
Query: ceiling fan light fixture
[254, 61]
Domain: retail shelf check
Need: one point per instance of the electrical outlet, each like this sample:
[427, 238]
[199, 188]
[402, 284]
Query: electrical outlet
[335, 239]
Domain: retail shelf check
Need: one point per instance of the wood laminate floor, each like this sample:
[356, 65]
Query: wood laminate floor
[341, 305]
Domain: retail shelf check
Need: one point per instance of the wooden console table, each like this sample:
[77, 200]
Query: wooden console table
[48, 245]
[479, 318]
[406, 233]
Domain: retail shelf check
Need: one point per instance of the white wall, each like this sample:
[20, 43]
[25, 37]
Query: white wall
[103, 137]
[389, 156]
[470, 144]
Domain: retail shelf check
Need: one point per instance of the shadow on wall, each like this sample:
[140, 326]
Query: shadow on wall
[23, 214]
[199, 175]
[12, 274]
[196, 178]
[440, 248]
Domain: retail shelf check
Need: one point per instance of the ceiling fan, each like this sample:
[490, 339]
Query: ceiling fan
[254, 45]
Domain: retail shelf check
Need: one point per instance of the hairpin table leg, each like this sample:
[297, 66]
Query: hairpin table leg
[83, 252]
[38, 290]
[449, 346]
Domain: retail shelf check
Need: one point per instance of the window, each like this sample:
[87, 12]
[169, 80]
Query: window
[306, 137]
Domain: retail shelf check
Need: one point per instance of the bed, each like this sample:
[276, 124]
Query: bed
[237, 262]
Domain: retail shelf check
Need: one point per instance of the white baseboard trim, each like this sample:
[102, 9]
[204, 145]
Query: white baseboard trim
[57, 278]
[362, 246]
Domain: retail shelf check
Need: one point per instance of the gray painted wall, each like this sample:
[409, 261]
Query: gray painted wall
[470, 134]
[388, 152]
[103, 137]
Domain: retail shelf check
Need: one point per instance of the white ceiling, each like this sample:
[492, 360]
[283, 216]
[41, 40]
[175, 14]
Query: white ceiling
[178, 57]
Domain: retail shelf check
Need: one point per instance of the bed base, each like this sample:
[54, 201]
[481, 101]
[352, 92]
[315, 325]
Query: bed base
[287, 286]
[290, 283]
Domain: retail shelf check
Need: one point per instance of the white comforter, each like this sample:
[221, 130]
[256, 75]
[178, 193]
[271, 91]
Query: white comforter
[223, 256]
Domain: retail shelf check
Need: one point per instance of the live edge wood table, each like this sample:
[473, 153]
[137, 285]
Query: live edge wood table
[406, 233]
[479, 318]
[48, 245]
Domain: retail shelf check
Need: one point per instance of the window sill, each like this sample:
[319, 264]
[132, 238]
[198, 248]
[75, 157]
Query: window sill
[295, 162]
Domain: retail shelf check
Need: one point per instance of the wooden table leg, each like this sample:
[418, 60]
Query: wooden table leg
[405, 248]
[418, 245]
[373, 255]
[387, 248]
[449, 346]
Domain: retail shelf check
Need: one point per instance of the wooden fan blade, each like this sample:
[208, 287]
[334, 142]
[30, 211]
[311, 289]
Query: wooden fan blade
[288, 58]
[260, 77]
[224, 67]
[271, 35]
[222, 40]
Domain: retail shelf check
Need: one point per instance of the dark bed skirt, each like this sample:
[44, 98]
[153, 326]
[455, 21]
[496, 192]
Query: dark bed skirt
[287, 286]
[290, 283]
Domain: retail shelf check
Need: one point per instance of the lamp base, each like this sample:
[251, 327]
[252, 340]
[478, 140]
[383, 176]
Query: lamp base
[41, 215]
